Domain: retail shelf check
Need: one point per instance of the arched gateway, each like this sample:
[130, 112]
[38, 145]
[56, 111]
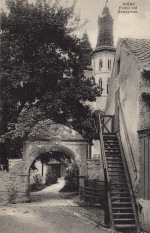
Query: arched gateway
[44, 137]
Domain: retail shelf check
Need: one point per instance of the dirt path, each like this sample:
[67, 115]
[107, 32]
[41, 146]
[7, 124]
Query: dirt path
[49, 212]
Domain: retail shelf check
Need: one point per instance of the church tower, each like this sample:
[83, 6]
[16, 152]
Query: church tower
[103, 56]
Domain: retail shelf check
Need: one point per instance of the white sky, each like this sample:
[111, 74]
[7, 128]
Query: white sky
[125, 25]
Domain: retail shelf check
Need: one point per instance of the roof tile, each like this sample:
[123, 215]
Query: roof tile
[140, 48]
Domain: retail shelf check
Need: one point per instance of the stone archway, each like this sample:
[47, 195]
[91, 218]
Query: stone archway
[46, 136]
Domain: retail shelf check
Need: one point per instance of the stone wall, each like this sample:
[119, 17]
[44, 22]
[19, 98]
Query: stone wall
[94, 169]
[13, 188]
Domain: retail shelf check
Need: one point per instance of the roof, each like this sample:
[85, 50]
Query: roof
[140, 48]
[104, 48]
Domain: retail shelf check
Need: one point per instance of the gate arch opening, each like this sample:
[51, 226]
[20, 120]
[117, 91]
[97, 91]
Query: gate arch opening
[48, 168]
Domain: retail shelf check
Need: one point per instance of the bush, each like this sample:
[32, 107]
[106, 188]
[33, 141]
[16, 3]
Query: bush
[35, 182]
[71, 180]
[51, 178]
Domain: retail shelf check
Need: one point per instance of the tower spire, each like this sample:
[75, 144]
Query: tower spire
[105, 26]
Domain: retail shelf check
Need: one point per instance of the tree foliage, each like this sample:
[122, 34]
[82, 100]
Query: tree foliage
[86, 50]
[41, 71]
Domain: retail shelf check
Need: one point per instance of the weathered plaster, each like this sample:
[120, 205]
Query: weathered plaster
[144, 214]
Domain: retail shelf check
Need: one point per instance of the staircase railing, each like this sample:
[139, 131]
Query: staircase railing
[107, 123]
[94, 191]
[108, 211]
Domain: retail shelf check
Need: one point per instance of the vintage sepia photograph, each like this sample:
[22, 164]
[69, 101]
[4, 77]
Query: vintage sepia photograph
[75, 116]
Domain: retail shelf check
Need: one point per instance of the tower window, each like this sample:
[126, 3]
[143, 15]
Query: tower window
[108, 85]
[100, 85]
[118, 66]
[100, 64]
[109, 64]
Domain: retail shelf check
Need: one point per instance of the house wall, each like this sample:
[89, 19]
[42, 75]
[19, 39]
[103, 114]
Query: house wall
[144, 105]
[127, 79]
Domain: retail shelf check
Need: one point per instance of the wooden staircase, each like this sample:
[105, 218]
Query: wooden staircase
[120, 200]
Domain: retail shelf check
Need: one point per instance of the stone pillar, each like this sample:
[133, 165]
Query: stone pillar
[81, 186]
[22, 188]
[19, 186]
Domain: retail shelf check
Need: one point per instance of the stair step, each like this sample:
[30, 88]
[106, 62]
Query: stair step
[113, 149]
[119, 171]
[123, 181]
[117, 153]
[113, 153]
[119, 188]
[121, 214]
[117, 180]
[124, 219]
[120, 193]
[122, 208]
[123, 175]
[112, 170]
[115, 166]
[123, 226]
[111, 146]
[111, 141]
[110, 135]
[120, 198]
[114, 162]
[121, 204]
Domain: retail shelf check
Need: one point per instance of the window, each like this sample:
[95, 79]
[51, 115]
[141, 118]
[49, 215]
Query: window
[100, 64]
[118, 66]
[108, 85]
[109, 64]
[100, 85]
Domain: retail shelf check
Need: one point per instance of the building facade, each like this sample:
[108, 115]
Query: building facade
[129, 101]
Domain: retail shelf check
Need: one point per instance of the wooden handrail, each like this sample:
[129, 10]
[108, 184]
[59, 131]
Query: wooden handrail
[127, 138]
[106, 176]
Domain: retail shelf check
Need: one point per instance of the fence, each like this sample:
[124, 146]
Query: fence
[94, 191]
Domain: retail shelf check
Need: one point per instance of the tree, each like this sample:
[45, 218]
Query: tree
[86, 50]
[41, 72]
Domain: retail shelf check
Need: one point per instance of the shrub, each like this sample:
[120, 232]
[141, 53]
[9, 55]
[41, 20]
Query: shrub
[51, 178]
[71, 180]
[35, 182]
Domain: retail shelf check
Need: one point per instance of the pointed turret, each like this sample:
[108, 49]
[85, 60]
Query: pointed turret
[86, 50]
